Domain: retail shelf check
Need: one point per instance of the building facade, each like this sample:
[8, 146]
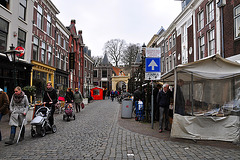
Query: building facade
[43, 45]
[15, 31]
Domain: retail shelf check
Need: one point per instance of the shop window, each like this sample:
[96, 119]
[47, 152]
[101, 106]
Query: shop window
[201, 47]
[35, 48]
[104, 73]
[200, 20]
[5, 3]
[237, 21]
[210, 12]
[22, 9]
[3, 35]
[21, 39]
[39, 17]
[43, 52]
[211, 43]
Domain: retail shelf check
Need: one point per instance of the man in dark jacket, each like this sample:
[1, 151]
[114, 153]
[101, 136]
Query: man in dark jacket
[163, 100]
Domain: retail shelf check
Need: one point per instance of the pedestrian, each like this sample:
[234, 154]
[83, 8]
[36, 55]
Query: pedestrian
[108, 94]
[49, 100]
[163, 99]
[69, 96]
[77, 99]
[156, 108]
[137, 95]
[18, 108]
[104, 93]
[112, 95]
[180, 101]
[4, 106]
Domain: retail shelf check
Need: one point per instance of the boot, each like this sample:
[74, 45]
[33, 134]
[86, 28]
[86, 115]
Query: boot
[11, 139]
[22, 134]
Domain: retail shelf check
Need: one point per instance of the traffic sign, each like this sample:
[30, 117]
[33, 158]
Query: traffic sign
[152, 65]
[152, 76]
[21, 50]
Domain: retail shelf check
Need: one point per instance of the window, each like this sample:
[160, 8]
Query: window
[49, 55]
[3, 35]
[104, 73]
[174, 39]
[95, 72]
[211, 43]
[21, 39]
[5, 3]
[237, 21]
[58, 60]
[200, 20]
[170, 62]
[22, 9]
[35, 48]
[162, 70]
[174, 59]
[39, 17]
[201, 47]
[59, 40]
[163, 48]
[85, 64]
[210, 12]
[170, 42]
[167, 66]
[166, 46]
[49, 25]
[43, 52]
[64, 43]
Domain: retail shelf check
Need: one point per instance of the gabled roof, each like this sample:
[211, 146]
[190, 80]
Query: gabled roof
[118, 71]
[105, 60]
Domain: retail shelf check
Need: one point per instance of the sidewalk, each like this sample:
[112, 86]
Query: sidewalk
[146, 129]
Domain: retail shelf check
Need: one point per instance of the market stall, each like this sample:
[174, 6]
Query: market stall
[97, 93]
[206, 99]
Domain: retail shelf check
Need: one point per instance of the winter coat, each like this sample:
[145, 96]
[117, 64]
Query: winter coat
[78, 97]
[4, 103]
[17, 110]
[69, 97]
[53, 95]
[163, 98]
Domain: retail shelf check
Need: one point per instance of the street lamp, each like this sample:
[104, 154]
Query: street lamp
[11, 54]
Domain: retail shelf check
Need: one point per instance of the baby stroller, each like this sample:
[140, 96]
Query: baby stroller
[40, 123]
[69, 112]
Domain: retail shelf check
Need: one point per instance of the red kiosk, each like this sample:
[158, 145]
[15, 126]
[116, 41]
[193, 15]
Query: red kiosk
[97, 93]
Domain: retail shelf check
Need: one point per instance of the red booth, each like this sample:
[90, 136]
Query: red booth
[97, 93]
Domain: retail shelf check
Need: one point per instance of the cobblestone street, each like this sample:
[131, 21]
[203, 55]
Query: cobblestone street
[95, 134]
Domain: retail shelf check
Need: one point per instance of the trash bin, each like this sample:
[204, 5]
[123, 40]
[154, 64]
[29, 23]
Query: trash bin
[126, 108]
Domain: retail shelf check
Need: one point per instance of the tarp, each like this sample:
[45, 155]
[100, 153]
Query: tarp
[205, 127]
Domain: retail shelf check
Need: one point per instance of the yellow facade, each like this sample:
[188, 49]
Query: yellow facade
[120, 78]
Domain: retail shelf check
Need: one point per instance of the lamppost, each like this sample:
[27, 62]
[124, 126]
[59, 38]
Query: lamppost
[142, 77]
[11, 54]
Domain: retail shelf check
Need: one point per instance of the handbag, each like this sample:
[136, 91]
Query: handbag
[82, 105]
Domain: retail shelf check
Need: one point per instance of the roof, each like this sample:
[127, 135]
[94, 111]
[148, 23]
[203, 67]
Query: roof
[105, 59]
[118, 71]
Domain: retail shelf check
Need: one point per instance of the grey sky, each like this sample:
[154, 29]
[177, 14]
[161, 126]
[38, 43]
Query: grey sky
[135, 21]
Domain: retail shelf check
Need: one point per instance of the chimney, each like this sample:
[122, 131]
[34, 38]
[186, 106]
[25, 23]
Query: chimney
[80, 32]
[73, 21]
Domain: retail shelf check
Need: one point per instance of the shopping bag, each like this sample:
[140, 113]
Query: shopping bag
[82, 105]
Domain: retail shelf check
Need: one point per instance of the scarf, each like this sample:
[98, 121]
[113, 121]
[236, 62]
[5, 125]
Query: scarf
[49, 90]
[18, 98]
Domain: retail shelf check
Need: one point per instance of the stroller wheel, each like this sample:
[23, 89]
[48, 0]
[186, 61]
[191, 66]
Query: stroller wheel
[33, 133]
[68, 118]
[43, 132]
[54, 129]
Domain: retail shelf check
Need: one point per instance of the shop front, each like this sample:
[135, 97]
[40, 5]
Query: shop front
[61, 82]
[23, 74]
[40, 75]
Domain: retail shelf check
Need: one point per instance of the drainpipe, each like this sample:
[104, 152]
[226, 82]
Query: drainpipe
[220, 5]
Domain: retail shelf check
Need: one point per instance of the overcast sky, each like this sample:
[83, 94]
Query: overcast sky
[135, 21]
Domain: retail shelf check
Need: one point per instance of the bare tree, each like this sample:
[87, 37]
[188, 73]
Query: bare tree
[97, 60]
[114, 49]
[130, 53]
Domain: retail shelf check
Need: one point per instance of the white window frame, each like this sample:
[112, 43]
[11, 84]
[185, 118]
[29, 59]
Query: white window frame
[22, 9]
[210, 11]
[43, 52]
[49, 25]
[237, 22]
[201, 46]
[211, 42]
[200, 20]
[39, 16]
[36, 44]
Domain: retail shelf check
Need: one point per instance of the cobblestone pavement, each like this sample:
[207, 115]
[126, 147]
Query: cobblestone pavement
[95, 134]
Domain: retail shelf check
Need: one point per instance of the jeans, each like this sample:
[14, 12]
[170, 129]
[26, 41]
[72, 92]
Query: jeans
[163, 112]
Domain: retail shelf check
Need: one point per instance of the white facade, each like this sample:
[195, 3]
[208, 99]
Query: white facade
[11, 14]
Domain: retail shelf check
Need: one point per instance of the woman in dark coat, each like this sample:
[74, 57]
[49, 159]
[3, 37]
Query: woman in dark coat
[69, 96]
[50, 99]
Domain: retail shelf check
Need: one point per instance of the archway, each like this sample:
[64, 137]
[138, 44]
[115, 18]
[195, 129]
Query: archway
[118, 81]
[121, 86]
